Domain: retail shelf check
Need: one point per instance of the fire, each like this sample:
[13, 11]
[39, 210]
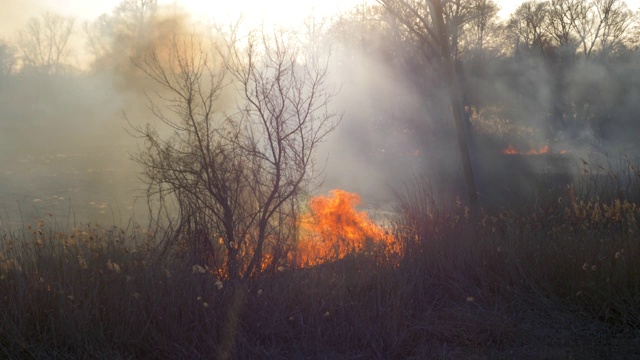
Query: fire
[330, 230]
[334, 229]
[511, 150]
[543, 150]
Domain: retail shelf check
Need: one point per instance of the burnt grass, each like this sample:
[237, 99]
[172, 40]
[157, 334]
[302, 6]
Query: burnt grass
[556, 279]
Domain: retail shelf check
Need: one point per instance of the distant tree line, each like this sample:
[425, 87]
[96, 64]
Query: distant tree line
[569, 69]
[565, 67]
[541, 40]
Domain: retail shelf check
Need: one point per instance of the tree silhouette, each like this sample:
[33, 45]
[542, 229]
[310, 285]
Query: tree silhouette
[235, 168]
[43, 43]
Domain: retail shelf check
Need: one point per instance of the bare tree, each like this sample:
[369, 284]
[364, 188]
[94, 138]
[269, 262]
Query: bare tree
[616, 19]
[426, 20]
[235, 167]
[126, 32]
[602, 25]
[7, 59]
[416, 17]
[569, 25]
[284, 117]
[42, 44]
[98, 34]
[561, 23]
[482, 21]
[456, 14]
[467, 22]
[527, 27]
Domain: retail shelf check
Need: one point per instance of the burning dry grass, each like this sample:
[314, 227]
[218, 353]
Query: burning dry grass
[511, 150]
[333, 229]
[559, 281]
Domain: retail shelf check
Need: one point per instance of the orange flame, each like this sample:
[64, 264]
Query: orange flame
[543, 150]
[511, 150]
[330, 230]
[334, 229]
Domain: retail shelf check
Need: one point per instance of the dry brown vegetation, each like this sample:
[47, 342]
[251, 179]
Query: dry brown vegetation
[559, 280]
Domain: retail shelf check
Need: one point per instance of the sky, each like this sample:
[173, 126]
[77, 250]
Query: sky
[284, 12]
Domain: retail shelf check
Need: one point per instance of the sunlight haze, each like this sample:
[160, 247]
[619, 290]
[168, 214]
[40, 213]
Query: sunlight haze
[285, 13]
[322, 179]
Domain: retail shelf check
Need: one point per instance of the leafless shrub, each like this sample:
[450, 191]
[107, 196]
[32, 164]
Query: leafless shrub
[242, 124]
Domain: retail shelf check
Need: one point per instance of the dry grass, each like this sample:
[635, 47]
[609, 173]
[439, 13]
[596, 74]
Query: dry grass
[559, 280]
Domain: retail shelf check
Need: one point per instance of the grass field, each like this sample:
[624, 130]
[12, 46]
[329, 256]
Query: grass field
[552, 280]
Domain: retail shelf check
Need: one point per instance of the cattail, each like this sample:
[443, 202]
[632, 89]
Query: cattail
[82, 262]
[197, 269]
[113, 266]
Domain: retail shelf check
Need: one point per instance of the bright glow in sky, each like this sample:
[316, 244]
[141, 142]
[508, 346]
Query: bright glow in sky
[282, 12]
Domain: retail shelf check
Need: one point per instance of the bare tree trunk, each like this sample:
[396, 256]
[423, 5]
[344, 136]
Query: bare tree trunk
[456, 104]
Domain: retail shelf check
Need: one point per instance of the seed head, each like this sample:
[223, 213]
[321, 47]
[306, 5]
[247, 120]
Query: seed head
[113, 266]
[82, 262]
[197, 269]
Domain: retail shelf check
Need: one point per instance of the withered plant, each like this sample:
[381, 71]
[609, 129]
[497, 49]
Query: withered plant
[240, 123]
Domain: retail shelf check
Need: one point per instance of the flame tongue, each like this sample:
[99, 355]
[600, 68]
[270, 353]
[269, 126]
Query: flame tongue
[333, 229]
[511, 150]
[543, 150]
[337, 218]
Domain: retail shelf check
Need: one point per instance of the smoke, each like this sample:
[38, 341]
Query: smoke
[127, 40]
[65, 142]
[66, 145]
[583, 109]
[396, 127]
[397, 104]
[15, 14]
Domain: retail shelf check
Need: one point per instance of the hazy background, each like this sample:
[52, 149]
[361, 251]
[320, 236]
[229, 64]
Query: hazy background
[65, 147]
